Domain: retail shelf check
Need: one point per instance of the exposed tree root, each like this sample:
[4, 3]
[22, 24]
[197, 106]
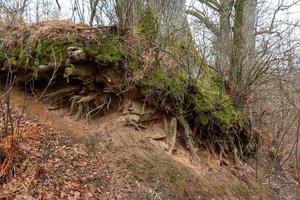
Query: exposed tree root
[54, 107]
[87, 99]
[86, 106]
[57, 97]
[81, 110]
[97, 110]
[222, 155]
[62, 92]
[134, 119]
[134, 124]
[134, 116]
[74, 104]
[187, 132]
[236, 158]
[172, 129]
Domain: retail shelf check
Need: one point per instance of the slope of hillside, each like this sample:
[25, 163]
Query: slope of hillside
[64, 158]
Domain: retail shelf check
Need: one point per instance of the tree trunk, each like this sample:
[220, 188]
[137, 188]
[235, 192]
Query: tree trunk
[243, 53]
[223, 42]
[170, 13]
[93, 7]
[128, 12]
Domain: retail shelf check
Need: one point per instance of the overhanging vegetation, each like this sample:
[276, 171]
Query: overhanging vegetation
[88, 72]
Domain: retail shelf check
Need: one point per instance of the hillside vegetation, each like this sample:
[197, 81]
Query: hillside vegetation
[94, 69]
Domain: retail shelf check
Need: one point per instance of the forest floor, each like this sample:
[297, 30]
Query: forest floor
[61, 158]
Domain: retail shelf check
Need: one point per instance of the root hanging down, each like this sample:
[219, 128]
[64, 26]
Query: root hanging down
[74, 104]
[61, 93]
[92, 113]
[87, 106]
[171, 130]
[58, 97]
[187, 133]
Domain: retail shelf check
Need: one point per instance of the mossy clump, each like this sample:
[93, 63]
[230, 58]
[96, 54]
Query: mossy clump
[54, 49]
[171, 88]
[205, 96]
[31, 54]
[210, 103]
[148, 25]
[107, 51]
[83, 25]
[2, 55]
[16, 56]
[155, 83]
[23, 57]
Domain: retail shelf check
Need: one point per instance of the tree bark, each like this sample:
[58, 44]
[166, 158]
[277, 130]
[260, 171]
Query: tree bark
[93, 7]
[128, 12]
[234, 46]
[224, 38]
[243, 52]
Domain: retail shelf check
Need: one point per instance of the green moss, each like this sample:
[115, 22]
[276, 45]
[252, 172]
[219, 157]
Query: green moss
[176, 46]
[206, 96]
[132, 59]
[108, 51]
[54, 49]
[31, 54]
[24, 58]
[211, 98]
[147, 25]
[133, 65]
[156, 83]
[167, 85]
[2, 55]
[15, 57]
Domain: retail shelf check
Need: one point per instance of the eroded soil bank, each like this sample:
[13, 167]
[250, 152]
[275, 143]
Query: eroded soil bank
[67, 159]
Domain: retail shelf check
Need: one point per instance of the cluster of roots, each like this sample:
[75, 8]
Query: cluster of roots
[224, 144]
[82, 106]
[88, 89]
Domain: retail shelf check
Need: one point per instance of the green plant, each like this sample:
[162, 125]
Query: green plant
[54, 49]
[107, 51]
[205, 96]
[147, 25]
